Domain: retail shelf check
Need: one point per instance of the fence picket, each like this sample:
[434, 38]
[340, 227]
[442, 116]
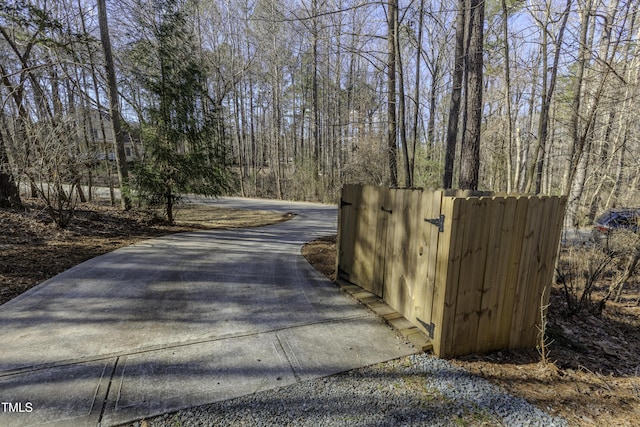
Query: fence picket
[441, 277]
[346, 231]
[486, 336]
[472, 269]
[428, 251]
[382, 234]
[363, 270]
[396, 250]
[504, 283]
[452, 255]
[519, 327]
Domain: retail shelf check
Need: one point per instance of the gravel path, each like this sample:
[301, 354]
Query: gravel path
[418, 390]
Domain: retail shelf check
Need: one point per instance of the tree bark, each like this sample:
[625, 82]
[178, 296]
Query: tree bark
[392, 130]
[408, 178]
[315, 98]
[534, 176]
[507, 96]
[416, 97]
[456, 95]
[9, 193]
[470, 147]
[114, 110]
[574, 123]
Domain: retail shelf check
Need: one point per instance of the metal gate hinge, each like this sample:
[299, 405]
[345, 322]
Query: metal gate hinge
[430, 327]
[438, 222]
[343, 203]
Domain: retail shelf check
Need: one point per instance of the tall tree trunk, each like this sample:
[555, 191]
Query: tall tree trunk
[276, 114]
[470, 148]
[408, 178]
[240, 136]
[114, 110]
[392, 124]
[507, 95]
[416, 96]
[255, 161]
[456, 95]
[18, 91]
[9, 193]
[317, 150]
[548, 88]
[574, 122]
[433, 99]
[606, 129]
[583, 141]
[612, 200]
[627, 114]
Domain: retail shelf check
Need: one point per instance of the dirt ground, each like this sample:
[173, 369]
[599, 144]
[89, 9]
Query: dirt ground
[594, 379]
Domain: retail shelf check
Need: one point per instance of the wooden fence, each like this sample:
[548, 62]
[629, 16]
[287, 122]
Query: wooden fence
[470, 272]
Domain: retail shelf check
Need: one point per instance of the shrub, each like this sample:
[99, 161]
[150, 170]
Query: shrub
[592, 274]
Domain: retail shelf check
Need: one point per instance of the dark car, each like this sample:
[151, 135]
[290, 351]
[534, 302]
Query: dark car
[618, 219]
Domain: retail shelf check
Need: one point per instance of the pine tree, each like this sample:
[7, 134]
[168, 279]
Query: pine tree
[184, 138]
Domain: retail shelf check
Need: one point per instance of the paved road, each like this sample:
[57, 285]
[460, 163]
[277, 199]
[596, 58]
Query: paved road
[181, 321]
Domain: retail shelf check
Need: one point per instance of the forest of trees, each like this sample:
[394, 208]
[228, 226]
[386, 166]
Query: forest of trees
[293, 98]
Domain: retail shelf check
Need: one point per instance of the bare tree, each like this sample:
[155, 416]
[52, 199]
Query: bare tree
[456, 94]
[392, 121]
[416, 94]
[121, 158]
[470, 147]
[549, 77]
[507, 94]
[9, 194]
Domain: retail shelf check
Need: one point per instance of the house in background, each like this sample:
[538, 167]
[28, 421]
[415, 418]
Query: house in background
[98, 132]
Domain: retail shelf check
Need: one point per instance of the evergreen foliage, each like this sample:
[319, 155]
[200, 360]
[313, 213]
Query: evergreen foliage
[183, 134]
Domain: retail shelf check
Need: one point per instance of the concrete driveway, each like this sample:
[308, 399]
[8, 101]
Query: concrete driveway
[181, 321]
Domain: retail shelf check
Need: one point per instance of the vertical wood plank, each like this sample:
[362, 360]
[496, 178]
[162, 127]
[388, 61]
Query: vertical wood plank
[554, 243]
[537, 270]
[428, 252]
[347, 230]
[447, 275]
[408, 281]
[521, 302]
[363, 269]
[472, 269]
[495, 301]
[382, 234]
[394, 249]
[401, 250]
[493, 280]
[508, 299]
[339, 237]
[532, 299]
[544, 266]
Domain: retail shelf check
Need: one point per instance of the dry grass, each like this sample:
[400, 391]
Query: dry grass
[209, 217]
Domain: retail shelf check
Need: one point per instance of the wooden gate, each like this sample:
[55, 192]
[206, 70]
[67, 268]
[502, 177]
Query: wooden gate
[468, 271]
